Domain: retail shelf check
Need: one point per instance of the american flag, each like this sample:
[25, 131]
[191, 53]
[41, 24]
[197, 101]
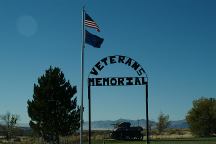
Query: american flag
[89, 22]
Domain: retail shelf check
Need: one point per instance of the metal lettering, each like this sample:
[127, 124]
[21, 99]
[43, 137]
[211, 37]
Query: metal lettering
[104, 60]
[121, 59]
[91, 81]
[140, 71]
[98, 82]
[137, 81]
[112, 59]
[98, 66]
[129, 81]
[113, 81]
[120, 81]
[135, 66]
[128, 62]
[106, 82]
[94, 71]
[117, 81]
[117, 59]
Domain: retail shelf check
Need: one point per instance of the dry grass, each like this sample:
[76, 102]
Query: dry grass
[183, 137]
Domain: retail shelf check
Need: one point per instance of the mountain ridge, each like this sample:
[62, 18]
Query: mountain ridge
[109, 124]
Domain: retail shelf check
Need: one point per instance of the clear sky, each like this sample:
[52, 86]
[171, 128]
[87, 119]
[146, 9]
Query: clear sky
[174, 40]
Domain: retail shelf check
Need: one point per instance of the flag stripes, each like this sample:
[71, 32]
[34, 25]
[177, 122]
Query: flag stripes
[89, 22]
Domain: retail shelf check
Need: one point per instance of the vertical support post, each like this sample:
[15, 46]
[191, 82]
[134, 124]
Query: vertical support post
[89, 104]
[147, 118]
[82, 74]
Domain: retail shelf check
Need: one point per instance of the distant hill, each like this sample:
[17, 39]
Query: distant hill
[109, 125]
[179, 124]
[23, 125]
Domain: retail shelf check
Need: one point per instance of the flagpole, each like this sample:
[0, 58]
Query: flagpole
[82, 75]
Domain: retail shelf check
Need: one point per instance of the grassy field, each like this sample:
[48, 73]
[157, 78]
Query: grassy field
[159, 141]
[164, 141]
[101, 138]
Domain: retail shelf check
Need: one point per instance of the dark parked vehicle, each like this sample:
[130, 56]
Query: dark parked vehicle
[124, 131]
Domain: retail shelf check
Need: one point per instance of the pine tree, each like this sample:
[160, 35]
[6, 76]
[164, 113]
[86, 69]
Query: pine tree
[53, 110]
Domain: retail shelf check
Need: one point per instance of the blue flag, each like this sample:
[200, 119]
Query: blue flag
[93, 40]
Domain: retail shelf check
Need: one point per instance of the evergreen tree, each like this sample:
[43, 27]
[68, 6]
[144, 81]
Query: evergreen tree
[53, 110]
[202, 117]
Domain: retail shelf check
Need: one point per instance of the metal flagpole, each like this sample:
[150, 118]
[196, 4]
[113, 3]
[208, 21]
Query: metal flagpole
[82, 75]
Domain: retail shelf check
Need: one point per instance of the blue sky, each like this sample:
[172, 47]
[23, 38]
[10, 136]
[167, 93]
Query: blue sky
[175, 42]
